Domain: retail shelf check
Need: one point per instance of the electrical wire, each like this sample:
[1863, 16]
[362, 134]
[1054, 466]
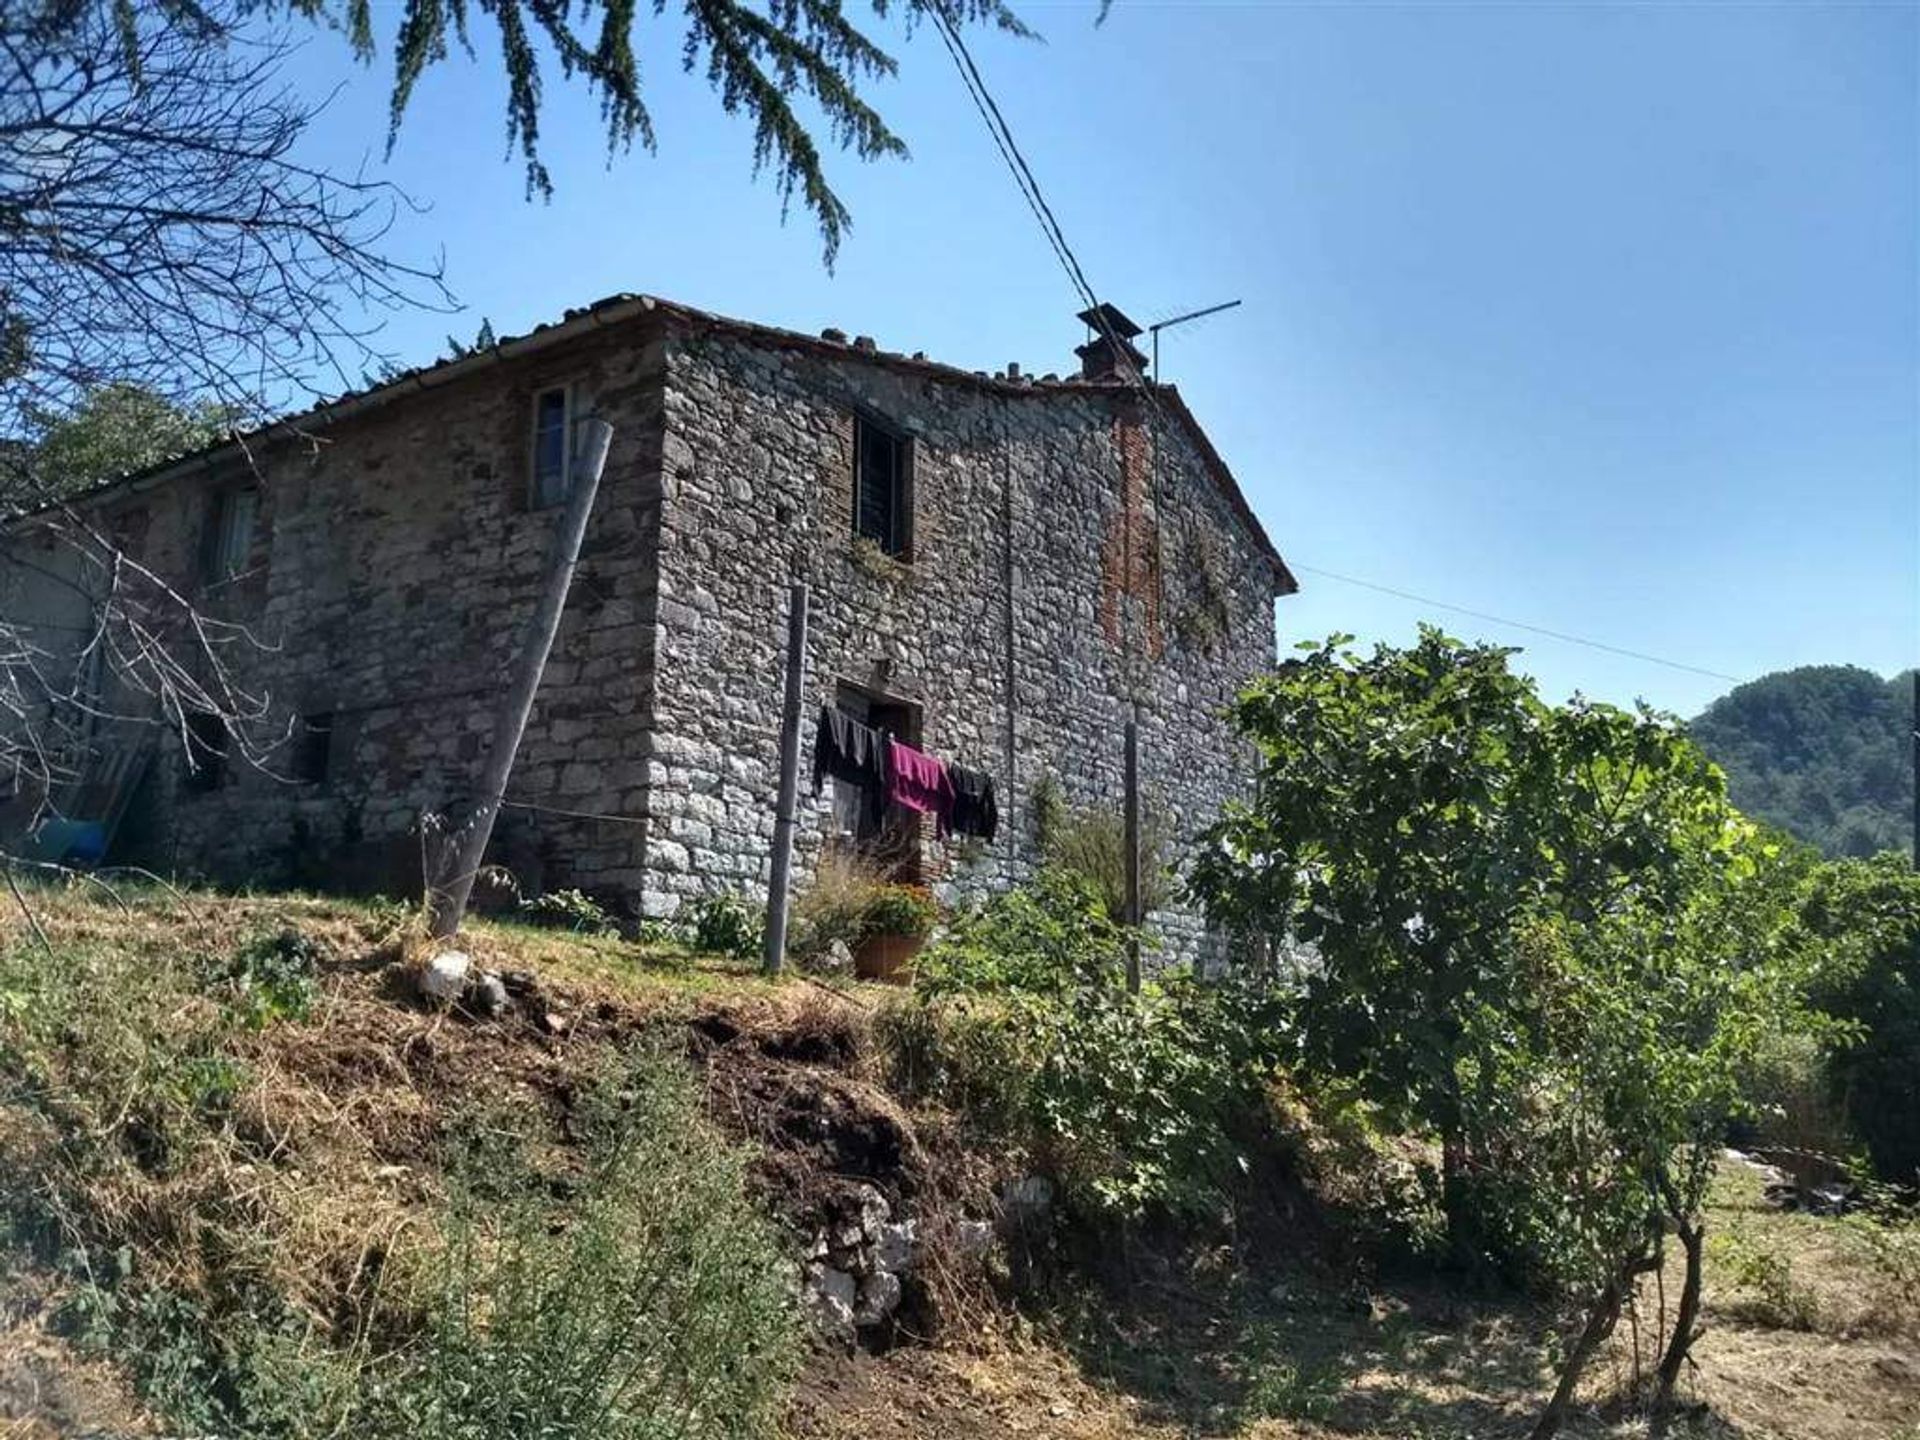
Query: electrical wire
[1030, 190]
[1518, 624]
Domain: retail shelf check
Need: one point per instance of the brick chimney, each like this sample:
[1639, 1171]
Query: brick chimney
[1117, 358]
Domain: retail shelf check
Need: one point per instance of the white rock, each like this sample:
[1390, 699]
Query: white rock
[830, 1296]
[879, 1298]
[893, 1247]
[972, 1239]
[445, 977]
[874, 1210]
[490, 995]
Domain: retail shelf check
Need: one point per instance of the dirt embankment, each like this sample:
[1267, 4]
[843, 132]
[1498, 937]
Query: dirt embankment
[325, 1171]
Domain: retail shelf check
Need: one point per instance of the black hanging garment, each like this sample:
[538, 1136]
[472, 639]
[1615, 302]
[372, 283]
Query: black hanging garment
[975, 812]
[847, 750]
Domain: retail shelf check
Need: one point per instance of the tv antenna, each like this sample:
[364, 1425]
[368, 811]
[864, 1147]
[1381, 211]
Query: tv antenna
[1155, 329]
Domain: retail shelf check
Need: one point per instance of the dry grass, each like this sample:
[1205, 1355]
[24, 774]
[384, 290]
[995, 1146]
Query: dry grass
[317, 1174]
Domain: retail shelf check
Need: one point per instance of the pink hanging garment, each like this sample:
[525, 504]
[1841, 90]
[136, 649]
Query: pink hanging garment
[919, 782]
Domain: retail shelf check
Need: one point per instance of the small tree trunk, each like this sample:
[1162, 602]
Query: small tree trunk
[1456, 1203]
[1693, 1241]
[1600, 1322]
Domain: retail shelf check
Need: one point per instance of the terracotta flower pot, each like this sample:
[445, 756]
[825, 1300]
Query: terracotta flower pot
[887, 957]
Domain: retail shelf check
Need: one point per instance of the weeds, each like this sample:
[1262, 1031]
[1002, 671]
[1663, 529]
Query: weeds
[725, 925]
[568, 910]
[657, 1304]
[235, 1236]
[1774, 1299]
[835, 905]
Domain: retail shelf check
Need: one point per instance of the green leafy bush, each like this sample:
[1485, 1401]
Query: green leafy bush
[1040, 939]
[1137, 1103]
[725, 925]
[901, 910]
[1154, 1101]
[1868, 915]
[568, 910]
[271, 977]
[1792, 1109]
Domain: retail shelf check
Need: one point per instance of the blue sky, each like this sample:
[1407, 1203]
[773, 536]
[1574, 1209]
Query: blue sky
[1601, 318]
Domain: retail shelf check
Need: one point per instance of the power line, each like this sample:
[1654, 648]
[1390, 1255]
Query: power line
[1518, 624]
[1002, 133]
[1029, 187]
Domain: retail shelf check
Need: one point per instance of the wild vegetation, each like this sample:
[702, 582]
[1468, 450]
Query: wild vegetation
[1822, 752]
[1444, 1154]
[245, 1166]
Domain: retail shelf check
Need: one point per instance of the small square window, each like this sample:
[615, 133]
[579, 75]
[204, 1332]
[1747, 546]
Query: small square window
[313, 749]
[230, 533]
[552, 448]
[881, 488]
[205, 760]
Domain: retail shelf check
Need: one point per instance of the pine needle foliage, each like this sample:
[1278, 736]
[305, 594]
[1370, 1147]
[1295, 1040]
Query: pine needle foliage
[772, 62]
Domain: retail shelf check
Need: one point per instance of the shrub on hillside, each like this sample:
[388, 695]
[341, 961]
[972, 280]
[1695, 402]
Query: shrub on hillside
[833, 906]
[1136, 1103]
[1041, 939]
[1090, 842]
[654, 1302]
[725, 925]
[1869, 913]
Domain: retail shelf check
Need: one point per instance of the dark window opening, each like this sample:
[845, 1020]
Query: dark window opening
[551, 430]
[229, 540]
[881, 488]
[891, 840]
[206, 753]
[313, 749]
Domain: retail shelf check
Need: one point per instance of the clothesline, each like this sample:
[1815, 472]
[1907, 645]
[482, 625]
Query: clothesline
[889, 772]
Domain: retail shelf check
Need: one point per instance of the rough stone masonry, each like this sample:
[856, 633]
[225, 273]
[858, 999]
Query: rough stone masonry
[1063, 549]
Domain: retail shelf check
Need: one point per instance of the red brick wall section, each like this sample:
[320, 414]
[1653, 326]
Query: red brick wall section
[1130, 586]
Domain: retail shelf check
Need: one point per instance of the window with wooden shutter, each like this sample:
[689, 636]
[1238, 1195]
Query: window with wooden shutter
[881, 491]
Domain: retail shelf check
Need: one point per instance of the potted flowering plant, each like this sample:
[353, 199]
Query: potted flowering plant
[896, 924]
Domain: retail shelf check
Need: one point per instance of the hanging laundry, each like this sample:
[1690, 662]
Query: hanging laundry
[975, 811]
[845, 749]
[919, 782]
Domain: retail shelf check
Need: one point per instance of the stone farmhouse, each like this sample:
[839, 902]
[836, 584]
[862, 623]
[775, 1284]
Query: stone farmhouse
[1000, 565]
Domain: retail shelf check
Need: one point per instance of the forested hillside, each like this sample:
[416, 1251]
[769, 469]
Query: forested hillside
[1822, 752]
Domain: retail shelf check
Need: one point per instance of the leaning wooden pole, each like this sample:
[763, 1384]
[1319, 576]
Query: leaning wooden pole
[468, 846]
[783, 816]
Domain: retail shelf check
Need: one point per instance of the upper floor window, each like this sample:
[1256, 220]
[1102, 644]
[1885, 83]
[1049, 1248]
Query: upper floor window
[230, 534]
[204, 757]
[313, 749]
[882, 487]
[553, 419]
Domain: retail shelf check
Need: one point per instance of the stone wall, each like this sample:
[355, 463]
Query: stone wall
[394, 565]
[1128, 575]
[1071, 553]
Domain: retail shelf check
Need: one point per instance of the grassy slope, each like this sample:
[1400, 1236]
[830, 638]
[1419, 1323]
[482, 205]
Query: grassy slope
[323, 1173]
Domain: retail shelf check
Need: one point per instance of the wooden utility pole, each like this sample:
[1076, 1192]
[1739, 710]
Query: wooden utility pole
[776, 938]
[468, 845]
[1133, 850]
